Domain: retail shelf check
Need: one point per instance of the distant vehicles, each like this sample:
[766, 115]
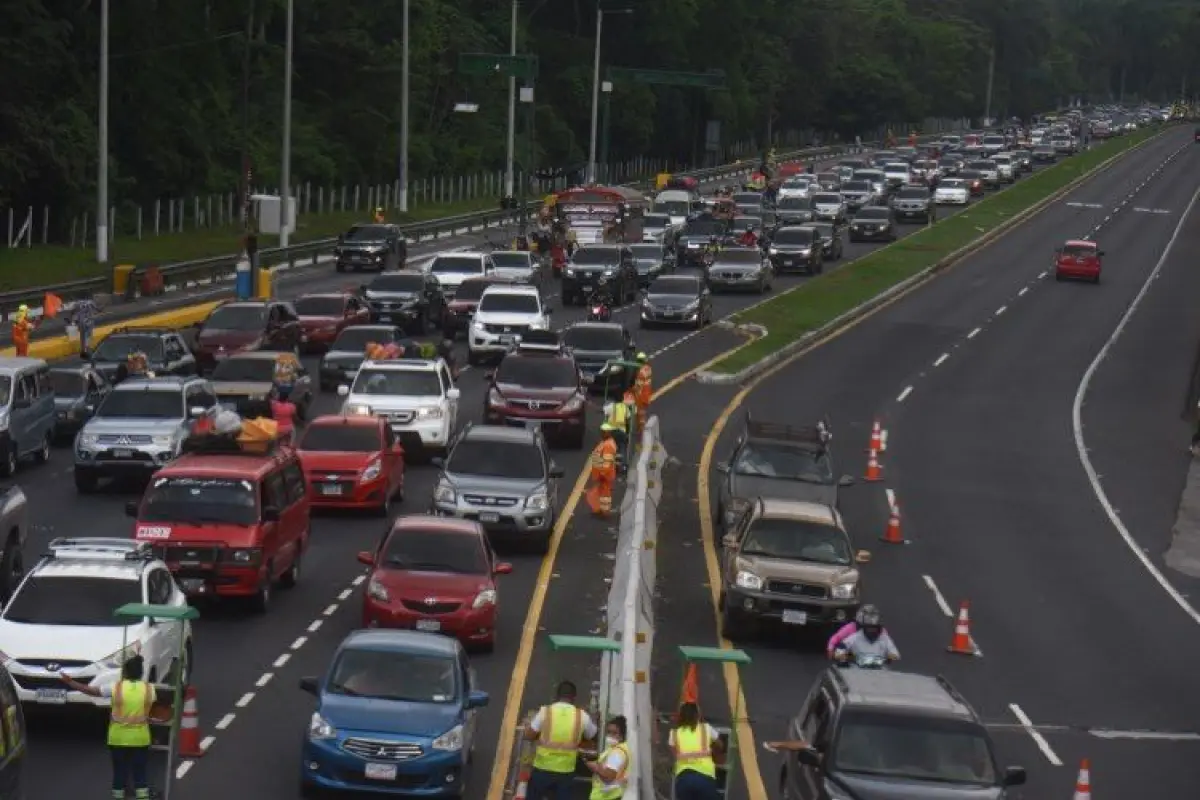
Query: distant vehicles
[377, 247]
[414, 301]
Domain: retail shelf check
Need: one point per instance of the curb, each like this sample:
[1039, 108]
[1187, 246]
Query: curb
[845, 319]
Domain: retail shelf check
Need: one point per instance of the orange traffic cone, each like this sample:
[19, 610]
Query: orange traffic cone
[892, 534]
[876, 438]
[189, 727]
[1083, 784]
[962, 642]
[874, 471]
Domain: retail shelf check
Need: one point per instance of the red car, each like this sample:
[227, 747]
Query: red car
[1078, 260]
[352, 462]
[542, 389]
[434, 574]
[243, 326]
[323, 316]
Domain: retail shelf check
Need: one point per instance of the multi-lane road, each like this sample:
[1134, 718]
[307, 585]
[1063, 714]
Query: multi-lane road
[247, 666]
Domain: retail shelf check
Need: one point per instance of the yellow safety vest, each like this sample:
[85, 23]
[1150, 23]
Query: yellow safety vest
[619, 416]
[130, 722]
[693, 750]
[611, 791]
[558, 741]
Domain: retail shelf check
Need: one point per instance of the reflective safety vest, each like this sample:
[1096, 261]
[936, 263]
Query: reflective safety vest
[604, 456]
[130, 722]
[693, 750]
[619, 416]
[558, 740]
[615, 789]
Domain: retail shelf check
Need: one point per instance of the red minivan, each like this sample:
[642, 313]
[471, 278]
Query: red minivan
[228, 524]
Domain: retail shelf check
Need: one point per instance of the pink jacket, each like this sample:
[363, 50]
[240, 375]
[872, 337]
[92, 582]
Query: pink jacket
[842, 635]
[284, 414]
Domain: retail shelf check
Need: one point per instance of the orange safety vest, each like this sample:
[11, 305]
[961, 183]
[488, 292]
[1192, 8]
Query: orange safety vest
[604, 456]
[641, 384]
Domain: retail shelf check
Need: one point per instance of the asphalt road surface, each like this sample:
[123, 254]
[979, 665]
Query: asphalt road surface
[975, 377]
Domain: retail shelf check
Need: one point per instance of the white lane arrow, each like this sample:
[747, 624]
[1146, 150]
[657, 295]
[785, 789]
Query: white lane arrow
[1085, 205]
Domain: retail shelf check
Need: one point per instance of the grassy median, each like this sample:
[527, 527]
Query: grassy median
[814, 303]
[44, 265]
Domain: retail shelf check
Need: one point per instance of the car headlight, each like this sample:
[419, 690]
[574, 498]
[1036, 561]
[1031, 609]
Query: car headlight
[773, 250]
[244, 557]
[748, 580]
[450, 740]
[319, 728]
[358, 409]
[371, 472]
[485, 598]
[495, 399]
[537, 502]
[164, 440]
[430, 412]
[85, 439]
[570, 273]
[845, 591]
[377, 591]
[115, 660]
[540, 324]
[444, 493]
[573, 405]
[692, 306]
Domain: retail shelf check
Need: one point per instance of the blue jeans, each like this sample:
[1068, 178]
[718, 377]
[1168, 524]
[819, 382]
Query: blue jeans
[129, 767]
[691, 785]
[549, 785]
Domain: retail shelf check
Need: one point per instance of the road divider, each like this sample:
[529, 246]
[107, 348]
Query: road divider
[797, 318]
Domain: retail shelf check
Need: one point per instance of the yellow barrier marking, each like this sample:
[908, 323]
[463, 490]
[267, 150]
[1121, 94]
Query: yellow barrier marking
[64, 346]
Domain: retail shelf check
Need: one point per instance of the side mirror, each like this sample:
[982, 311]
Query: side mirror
[809, 757]
[270, 514]
[309, 685]
[366, 557]
[131, 509]
[343, 391]
[846, 480]
[196, 412]
[862, 557]
[723, 467]
[1014, 776]
[438, 462]
[477, 699]
[453, 394]
[557, 472]
[503, 568]
[729, 541]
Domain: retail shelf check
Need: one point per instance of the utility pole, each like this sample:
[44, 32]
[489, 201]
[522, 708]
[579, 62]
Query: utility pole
[512, 109]
[402, 201]
[102, 169]
[987, 103]
[244, 200]
[591, 170]
[285, 190]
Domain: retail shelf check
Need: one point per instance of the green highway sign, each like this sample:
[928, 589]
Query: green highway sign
[704, 80]
[521, 66]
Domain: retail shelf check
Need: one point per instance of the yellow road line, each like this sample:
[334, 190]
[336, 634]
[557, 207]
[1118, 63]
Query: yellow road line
[516, 687]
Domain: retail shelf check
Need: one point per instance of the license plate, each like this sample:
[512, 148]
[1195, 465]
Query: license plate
[589, 378]
[795, 617]
[428, 625]
[488, 516]
[787, 262]
[381, 772]
[506, 340]
[57, 697]
[385, 317]
[122, 454]
[191, 585]
[331, 489]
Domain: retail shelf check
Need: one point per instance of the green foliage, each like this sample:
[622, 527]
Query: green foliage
[825, 67]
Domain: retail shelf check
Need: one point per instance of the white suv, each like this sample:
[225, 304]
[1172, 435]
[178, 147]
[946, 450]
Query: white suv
[61, 619]
[504, 313]
[416, 396]
[452, 268]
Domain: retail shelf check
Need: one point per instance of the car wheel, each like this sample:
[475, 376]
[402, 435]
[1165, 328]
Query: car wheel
[1096, 279]
[731, 624]
[43, 453]
[261, 601]
[8, 467]
[340, 267]
[12, 569]
[384, 509]
[85, 481]
[292, 576]
[1058, 277]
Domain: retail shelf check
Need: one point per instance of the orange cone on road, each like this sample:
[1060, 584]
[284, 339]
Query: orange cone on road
[962, 642]
[892, 534]
[874, 471]
[876, 438]
[189, 727]
[1083, 784]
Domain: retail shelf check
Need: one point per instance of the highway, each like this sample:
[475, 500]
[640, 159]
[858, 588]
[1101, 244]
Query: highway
[975, 376]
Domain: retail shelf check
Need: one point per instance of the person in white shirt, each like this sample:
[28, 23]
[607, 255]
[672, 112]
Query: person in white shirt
[612, 765]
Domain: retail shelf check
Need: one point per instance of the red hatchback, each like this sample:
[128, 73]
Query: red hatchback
[323, 316]
[1078, 260]
[434, 574]
[352, 462]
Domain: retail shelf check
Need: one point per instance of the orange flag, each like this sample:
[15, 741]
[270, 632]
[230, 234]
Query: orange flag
[690, 693]
[51, 305]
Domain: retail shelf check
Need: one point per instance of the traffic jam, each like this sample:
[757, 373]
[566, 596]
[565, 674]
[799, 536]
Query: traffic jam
[452, 400]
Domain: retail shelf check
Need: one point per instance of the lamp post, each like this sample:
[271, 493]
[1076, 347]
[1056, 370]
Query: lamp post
[402, 200]
[510, 153]
[600, 12]
[102, 169]
[285, 175]
[606, 88]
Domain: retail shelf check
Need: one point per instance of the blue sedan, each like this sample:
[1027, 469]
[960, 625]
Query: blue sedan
[395, 715]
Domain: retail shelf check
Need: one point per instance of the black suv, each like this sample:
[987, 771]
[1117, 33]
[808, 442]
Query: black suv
[166, 352]
[412, 300]
[604, 268]
[376, 247]
[873, 734]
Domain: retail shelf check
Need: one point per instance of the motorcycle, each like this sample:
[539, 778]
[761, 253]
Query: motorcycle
[844, 658]
[598, 307]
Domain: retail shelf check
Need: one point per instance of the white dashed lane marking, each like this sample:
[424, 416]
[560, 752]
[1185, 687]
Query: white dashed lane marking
[907, 391]
[941, 359]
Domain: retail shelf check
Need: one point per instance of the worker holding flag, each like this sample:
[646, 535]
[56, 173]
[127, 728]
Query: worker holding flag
[643, 391]
[604, 473]
[22, 326]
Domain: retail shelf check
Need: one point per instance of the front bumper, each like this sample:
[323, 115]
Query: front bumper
[468, 625]
[871, 234]
[509, 521]
[394, 314]
[769, 607]
[357, 261]
[801, 261]
[435, 773]
[482, 342]
[138, 460]
[912, 213]
[675, 316]
[44, 688]
[749, 281]
[347, 491]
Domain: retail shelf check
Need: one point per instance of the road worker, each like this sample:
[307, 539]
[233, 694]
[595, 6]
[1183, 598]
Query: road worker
[609, 770]
[693, 744]
[604, 473]
[128, 727]
[642, 390]
[21, 327]
[557, 730]
[379, 217]
[618, 415]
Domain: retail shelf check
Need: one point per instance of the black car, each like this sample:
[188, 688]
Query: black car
[831, 239]
[165, 350]
[349, 350]
[651, 260]
[794, 210]
[378, 247]
[873, 224]
[694, 238]
[598, 348]
[676, 300]
[78, 390]
[606, 268]
[412, 300]
[797, 249]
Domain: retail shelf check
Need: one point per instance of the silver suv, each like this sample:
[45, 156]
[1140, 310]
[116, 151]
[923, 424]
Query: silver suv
[504, 479]
[139, 427]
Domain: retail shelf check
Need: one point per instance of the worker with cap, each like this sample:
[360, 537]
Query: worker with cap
[557, 730]
[642, 390]
[128, 726]
[379, 218]
[693, 743]
[604, 473]
[21, 327]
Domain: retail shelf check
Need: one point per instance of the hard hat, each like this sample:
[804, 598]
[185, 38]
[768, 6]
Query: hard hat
[642, 357]
[607, 428]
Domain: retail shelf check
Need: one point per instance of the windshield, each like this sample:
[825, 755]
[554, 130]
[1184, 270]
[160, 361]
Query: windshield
[320, 306]
[657, 220]
[398, 282]
[912, 194]
[796, 183]
[674, 208]
[993, 140]
[982, 166]
[355, 340]
[794, 236]
[740, 257]
[237, 318]
[952, 183]
[336, 437]
[828, 199]
[509, 303]
[826, 229]
[786, 203]
[457, 265]
[594, 337]
[117, 348]
[748, 199]
[913, 747]
[397, 382]
[797, 540]
[66, 384]
[139, 402]
[592, 256]
[675, 285]
[57, 600]
[515, 460]
[366, 233]
[872, 213]
[647, 252]
[512, 261]
[537, 372]
[704, 227]
[867, 175]
[196, 501]
[392, 675]
[766, 460]
[249, 370]
[435, 551]
[857, 186]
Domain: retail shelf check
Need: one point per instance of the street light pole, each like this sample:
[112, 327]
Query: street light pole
[102, 169]
[402, 201]
[591, 170]
[512, 110]
[285, 179]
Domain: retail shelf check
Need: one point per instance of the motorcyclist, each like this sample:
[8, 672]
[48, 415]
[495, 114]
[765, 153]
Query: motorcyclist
[870, 641]
[749, 237]
[598, 306]
[846, 630]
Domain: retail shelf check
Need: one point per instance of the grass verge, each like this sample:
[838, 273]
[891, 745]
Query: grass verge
[818, 302]
[44, 265]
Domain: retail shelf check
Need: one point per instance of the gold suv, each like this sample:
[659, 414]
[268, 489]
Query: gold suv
[788, 562]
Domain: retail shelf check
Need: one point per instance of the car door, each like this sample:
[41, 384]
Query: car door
[296, 517]
[12, 741]
[393, 457]
[167, 635]
[451, 403]
[275, 545]
[467, 680]
[804, 782]
[22, 426]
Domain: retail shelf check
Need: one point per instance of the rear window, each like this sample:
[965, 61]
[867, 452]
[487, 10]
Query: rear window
[593, 337]
[355, 340]
[118, 346]
[828, 199]
[674, 285]
[320, 306]
[250, 370]
[794, 236]
[912, 194]
[536, 372]
[456, 265]
[200, 501]
[339, 438]
[511, 260]
[739, 257]
[1078, 251]
[82, 601]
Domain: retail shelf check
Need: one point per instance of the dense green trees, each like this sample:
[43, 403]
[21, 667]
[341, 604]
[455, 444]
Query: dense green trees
[829, 66]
